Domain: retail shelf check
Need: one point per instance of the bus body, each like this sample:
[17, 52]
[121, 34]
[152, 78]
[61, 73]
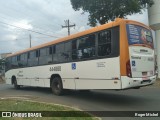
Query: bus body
[118, 55]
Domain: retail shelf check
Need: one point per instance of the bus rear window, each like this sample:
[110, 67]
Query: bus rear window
[139, 35]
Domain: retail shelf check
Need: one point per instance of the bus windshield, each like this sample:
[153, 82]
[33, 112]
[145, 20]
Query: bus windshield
[139, 35]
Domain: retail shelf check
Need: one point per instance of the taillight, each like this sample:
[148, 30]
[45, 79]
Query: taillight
[128, 68]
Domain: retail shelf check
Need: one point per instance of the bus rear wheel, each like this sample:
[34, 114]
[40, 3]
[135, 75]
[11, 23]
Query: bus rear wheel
[56, 86]
[16, 86]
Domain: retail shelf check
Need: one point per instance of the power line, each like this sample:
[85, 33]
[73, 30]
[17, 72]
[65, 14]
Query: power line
[68, 26]
[16, 20]
[28, 30]
[35, 37]
[10, 40]
[30, 15]
[41, 29]
[17, 39]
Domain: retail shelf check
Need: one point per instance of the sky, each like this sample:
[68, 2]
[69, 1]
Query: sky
[21, 18]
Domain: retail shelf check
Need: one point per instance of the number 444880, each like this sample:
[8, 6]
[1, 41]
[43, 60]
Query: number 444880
[56, 68]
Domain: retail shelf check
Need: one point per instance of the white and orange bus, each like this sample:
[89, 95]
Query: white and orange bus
[118, 55]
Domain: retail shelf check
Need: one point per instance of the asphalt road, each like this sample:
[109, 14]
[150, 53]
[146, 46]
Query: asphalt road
[147, 98]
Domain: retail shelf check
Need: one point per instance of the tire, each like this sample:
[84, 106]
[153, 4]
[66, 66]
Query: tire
[16, 86]
[56, 86]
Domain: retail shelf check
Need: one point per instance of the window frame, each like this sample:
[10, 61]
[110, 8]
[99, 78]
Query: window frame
[54, 50]
[111, 42]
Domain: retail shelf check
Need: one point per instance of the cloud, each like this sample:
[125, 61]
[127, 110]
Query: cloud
[45, 16]
[141, 17]
[10, 37]
[22, 24]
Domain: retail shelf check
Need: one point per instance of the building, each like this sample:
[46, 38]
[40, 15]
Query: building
[154, 22]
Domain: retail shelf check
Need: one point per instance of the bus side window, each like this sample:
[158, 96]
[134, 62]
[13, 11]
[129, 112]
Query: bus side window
[42, 56]
[8, 63]
[22, 60]
[33, 58]
[49, 55]
[55, 59]
[14, 62]
[104, 43]
[74, 50]
[59, 52]
[45, 56]
[28, 55]
[25, 60]
[86, 47]
[67, 51]
[50, 50]
[37, 53]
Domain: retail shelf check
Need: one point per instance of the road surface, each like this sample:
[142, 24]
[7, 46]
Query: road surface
[147, 98]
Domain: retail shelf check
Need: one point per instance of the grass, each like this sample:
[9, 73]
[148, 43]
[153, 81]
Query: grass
[21, 105]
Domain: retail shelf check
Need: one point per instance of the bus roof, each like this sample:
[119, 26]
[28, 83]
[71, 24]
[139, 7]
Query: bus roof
[117, 22]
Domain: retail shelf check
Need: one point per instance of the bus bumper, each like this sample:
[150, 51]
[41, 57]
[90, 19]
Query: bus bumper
[137, 82]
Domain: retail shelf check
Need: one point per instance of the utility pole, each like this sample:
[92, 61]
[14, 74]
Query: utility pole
[30, 40]
[68, 26]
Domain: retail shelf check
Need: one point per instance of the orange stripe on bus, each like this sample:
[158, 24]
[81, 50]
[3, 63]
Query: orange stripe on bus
[124, 50]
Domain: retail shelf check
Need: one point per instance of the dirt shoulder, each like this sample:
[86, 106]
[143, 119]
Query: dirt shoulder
[157, 83]
[2, 80]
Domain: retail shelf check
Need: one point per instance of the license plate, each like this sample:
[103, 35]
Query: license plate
[144, 73]
[145, 78]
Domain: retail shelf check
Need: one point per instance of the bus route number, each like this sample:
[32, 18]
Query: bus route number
[57, 68]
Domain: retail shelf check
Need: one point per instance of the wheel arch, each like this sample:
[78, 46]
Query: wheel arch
[54, 76]
[13, 79]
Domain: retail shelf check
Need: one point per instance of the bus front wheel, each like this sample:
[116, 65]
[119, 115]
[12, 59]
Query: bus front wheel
[16, 86]
[56, 86]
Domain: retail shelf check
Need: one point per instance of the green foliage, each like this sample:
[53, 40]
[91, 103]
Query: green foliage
[21, 105]
[102, 11]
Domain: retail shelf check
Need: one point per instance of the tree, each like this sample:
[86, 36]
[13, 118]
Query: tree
[102, 11]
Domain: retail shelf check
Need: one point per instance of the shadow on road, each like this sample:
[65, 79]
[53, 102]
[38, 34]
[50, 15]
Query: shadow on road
[110, 97]
[34, 89]
[103, 96]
